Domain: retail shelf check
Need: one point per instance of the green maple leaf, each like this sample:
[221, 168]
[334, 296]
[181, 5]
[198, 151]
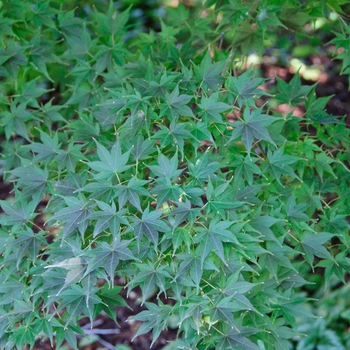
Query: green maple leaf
[184, 211]
[262, 224]
[211, 108]
[166, 168]
[152, 323]
[150, 277]
[46, 150]
[220, 201]
[32, 180]
[267, 17]
[338, 266]
[178, 236]
[101, 190]
[212, 238]
[237, 339]
[200, 133]
[109, 217]
[15, 120]
[296, 212]
[141, 148]
[108, 256]
[161, 85]
[175, 133]
[111, 163]
[77, 302]
[292, 308]
[67, 159]
[275, 256]
[244, 89]
[193, 263]
[76, 216]
[110, 299]
[245, 166]
[75, 272]
[149, 225]
[176, 105]
[222, 309]
[293, 92]
[165, 190]
[131, 192]
[312, 245]
[210, 73]
[278, 164]
[27, 243]
[17, 214]
[248, 38]
[253, 125]
[203, 169]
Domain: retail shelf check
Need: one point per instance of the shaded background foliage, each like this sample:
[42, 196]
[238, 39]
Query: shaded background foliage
[169, 84]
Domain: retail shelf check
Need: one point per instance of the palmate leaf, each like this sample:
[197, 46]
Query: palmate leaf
[211, 109]
[166, 168]
[194, 310]
[222, 310]
[312, 245]
[262, 224]
[108, 256]
[68, 158]
[200, 133]
[161, 84]
[296, 212]
[220, 200]
[292, 308]
[293, 92]
[245, 166]
[203, 168]
[211, 239]
[105, 192]
[15, 120]
[193, 263]
[210, 73]
[111, 163]
[244, 88]
[178, 236]
[175, 133]
[76, 302]
[132, 192]
[32, 180]
[9, 290]
[76, 216]
[27, 243]
[276, 256]
[252, 126]
[149, 225]
[17, 214]
[110, 299]
[176, 105]
[141, 148]
[149, 278]
[278, 164]
[238, 339]
[165, 190]
[109, 218]
[155, 319]
[46, 150]
[185, 211]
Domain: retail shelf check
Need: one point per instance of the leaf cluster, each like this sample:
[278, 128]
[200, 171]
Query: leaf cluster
[144, 155]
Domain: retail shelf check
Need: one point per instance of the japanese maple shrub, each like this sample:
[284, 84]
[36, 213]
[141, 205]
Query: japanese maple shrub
[144, 155]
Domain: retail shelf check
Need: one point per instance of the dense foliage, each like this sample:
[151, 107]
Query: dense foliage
[150, 155]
